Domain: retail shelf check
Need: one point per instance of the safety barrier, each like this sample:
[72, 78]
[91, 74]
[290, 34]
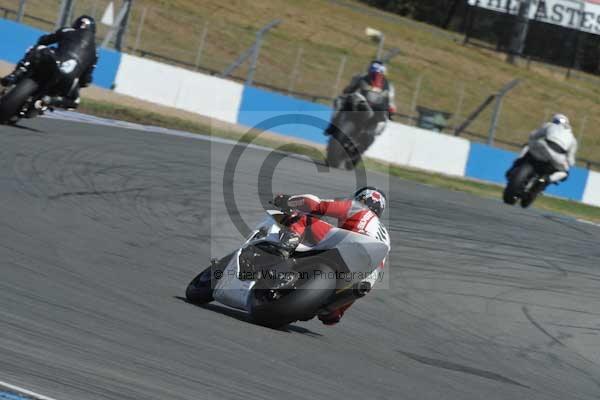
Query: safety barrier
[17, 38]
[180, 88]
[592, 189]
[252, 107]
[283, 114]
[490, 164]
[419, 148]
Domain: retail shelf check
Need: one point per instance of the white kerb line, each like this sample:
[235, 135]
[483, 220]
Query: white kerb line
[21, 391]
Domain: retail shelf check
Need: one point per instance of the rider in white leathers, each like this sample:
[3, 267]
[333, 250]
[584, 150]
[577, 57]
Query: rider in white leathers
[555, 144]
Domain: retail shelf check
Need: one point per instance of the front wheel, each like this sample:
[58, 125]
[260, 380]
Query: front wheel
[517, 183]
[341, 146]
[276, 308]
[200, 289]
[15, 98]
[335, 152]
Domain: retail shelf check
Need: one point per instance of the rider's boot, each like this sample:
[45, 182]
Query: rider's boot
[332, 318]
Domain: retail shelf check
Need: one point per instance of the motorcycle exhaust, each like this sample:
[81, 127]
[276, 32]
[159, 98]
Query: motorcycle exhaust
[347, 296]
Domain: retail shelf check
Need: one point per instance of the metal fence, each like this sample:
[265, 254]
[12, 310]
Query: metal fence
[210, 43]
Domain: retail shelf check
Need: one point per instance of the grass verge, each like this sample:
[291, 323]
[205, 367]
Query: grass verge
[137, 115]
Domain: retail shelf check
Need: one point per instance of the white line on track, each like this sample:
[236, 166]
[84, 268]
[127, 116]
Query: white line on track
[589, 222]
[92, 120]
[24, 392]
[89, 119]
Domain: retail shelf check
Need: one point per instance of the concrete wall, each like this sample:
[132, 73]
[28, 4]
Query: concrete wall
[283, 114]
[592, 189]
[180, 88]
[419, 148]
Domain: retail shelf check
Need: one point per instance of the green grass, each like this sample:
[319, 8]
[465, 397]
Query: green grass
[326, 32]
[131, 114]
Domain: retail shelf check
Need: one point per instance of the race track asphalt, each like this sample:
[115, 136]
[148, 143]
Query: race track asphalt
[101, 228]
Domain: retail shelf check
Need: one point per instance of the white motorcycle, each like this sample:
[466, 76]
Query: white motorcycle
[277, 289]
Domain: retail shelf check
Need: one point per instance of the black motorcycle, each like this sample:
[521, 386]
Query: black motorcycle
[44, 77]
[351, 136]
[526, 180]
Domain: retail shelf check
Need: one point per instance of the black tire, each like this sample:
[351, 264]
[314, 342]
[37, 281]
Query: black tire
[509, 197]
[529, 198]
[519, 178]
[200, 289]
[315, 287]
[335, 152]
[12, 102]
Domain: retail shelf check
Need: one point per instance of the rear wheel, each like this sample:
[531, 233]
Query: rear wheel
[529, 197]
[276, 308]
[509, 197]
[14, 99]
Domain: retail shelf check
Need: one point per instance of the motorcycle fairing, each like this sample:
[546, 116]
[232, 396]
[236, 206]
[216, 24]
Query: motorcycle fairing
[360, 255]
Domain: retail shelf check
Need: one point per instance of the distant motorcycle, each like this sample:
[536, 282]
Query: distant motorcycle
[527, 180]
[277, 290]
[44, 77]
[351, 138]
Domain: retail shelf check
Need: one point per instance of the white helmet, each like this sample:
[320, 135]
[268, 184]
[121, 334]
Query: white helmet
[373, 198]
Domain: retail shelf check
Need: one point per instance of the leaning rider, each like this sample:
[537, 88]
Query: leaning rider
[360, 214]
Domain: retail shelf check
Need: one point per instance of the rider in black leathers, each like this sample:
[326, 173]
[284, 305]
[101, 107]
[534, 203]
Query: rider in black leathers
[379, 93]
[76, 58]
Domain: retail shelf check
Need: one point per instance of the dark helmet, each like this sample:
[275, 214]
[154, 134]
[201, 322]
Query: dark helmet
[561, 119]
[377, 71]
[373, 198]
[85, 22]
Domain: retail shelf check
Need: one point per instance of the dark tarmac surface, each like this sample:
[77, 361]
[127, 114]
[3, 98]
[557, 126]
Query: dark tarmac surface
[102, 228]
